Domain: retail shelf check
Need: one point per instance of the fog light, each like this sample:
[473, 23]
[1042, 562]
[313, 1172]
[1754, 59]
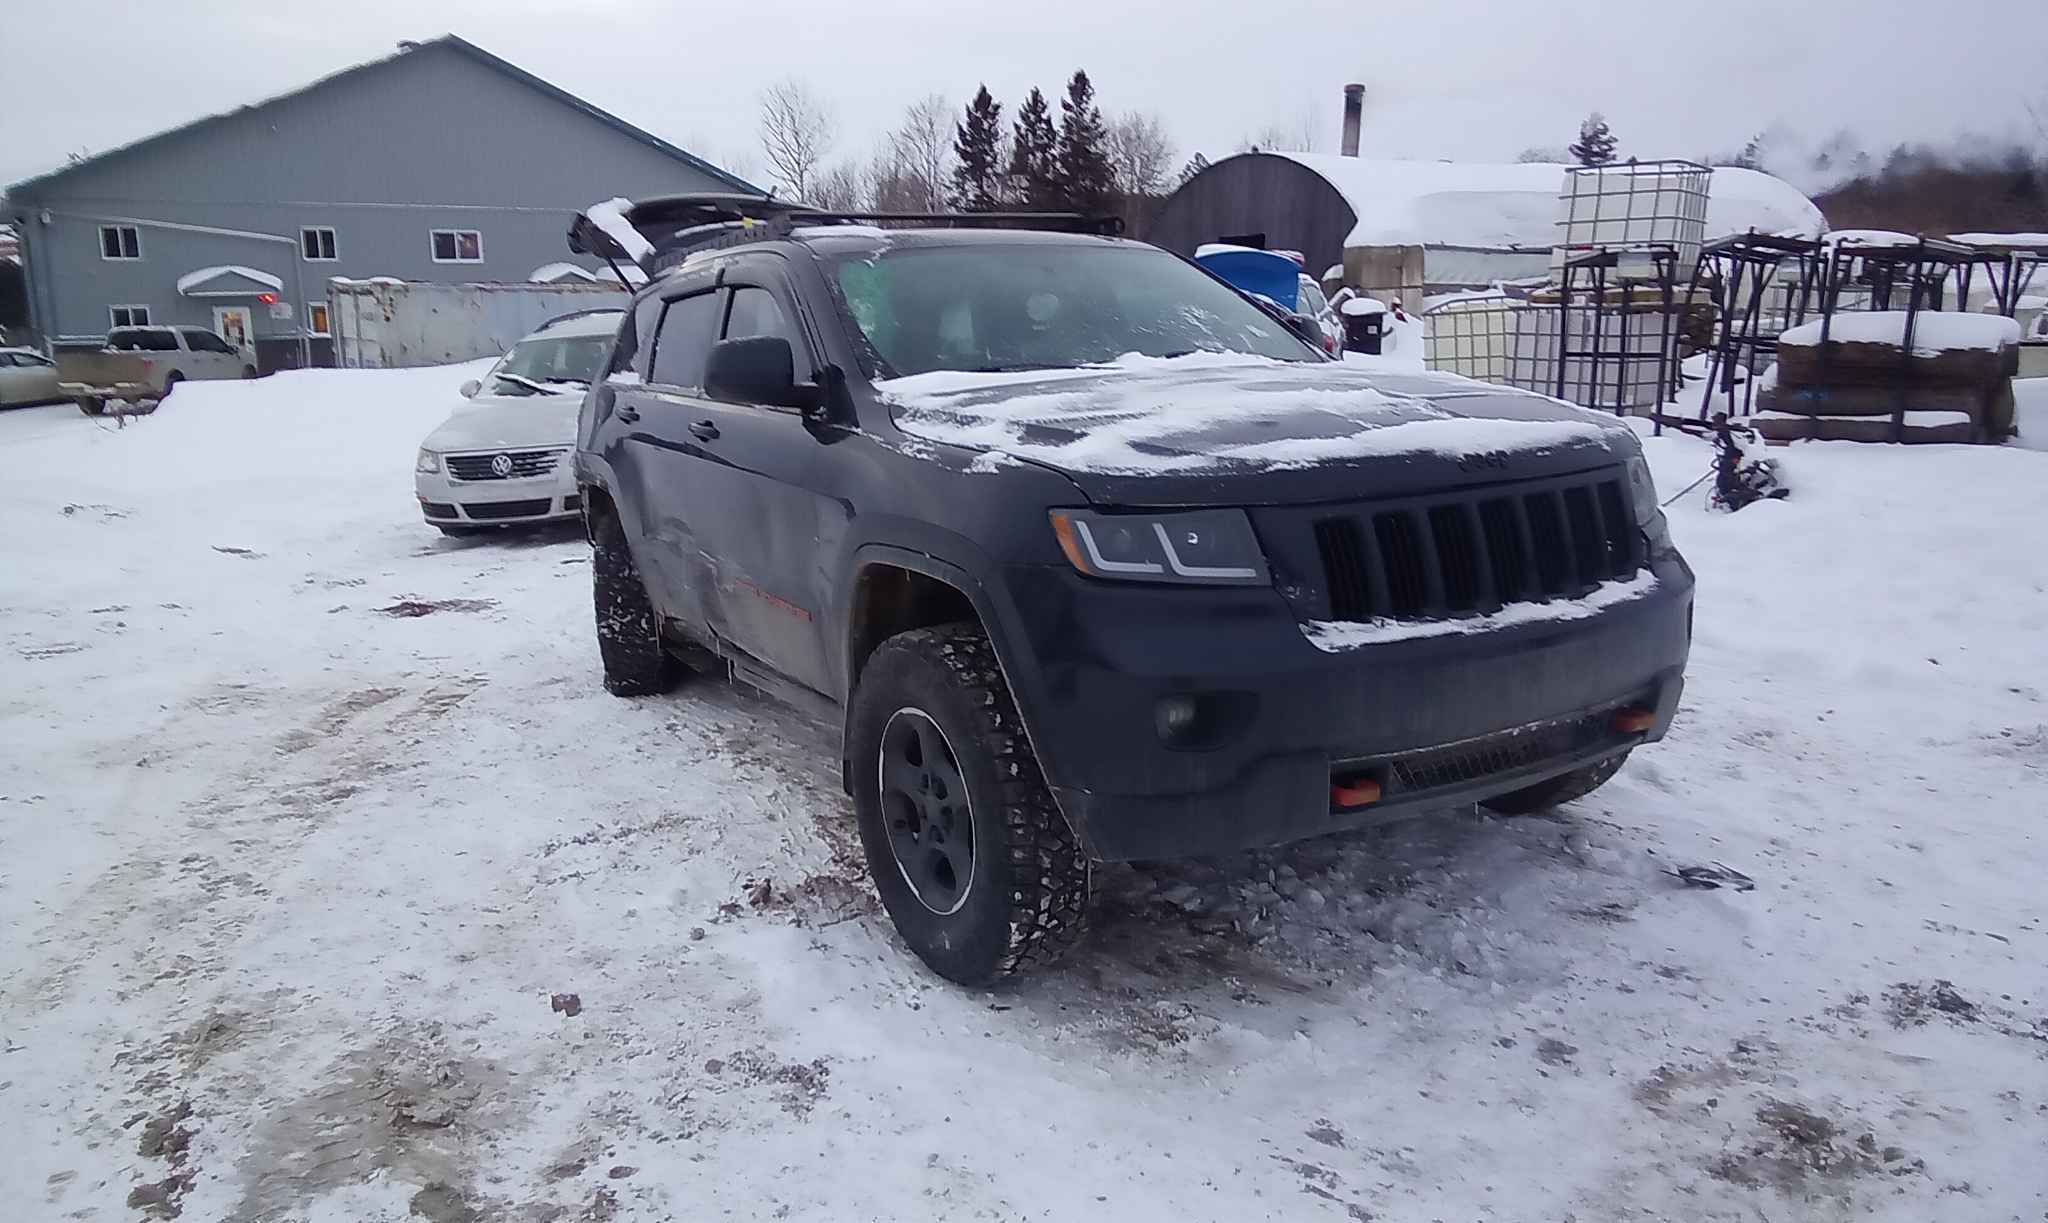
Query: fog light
[1176, 718]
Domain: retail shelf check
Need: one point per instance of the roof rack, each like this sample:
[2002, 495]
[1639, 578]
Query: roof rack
[678, 225]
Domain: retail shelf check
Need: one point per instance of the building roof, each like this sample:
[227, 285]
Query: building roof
[453, 43]
[1448, 203]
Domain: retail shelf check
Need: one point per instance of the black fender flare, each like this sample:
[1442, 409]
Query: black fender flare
[1013, 655]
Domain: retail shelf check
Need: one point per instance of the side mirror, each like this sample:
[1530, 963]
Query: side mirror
[1304, 327]
[469, 389]
[759, 369]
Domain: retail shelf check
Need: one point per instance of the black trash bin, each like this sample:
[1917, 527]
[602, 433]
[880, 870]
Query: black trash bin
[1364, 331]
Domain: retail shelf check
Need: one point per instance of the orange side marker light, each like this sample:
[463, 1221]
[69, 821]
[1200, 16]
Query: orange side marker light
[1355, 793]
[1634, 721]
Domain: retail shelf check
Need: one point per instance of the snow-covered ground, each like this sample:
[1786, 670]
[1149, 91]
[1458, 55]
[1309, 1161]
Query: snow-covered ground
[289, 881]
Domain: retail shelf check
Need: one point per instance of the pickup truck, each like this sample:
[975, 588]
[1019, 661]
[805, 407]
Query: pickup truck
[142, 365]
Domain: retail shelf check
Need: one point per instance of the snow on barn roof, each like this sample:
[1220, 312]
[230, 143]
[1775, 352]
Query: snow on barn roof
[1452, 203]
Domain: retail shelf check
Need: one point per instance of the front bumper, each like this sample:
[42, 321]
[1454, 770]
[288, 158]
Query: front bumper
[495, 503]
[1434, 720]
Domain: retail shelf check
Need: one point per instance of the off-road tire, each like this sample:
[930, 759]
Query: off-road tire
[1031, 880]
[1555, 791]
[93, 407]
[628, 630]
[171, 381]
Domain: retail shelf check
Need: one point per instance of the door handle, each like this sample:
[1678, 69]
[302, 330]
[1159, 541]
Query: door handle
[704, 429]
[628, 413]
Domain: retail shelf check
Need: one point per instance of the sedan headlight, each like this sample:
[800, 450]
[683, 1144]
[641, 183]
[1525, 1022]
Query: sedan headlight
[1195, 547]
[427, 463]
[1642, 490]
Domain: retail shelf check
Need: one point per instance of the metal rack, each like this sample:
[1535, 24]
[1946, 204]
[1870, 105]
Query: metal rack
[2009, 266]
[1609, 339]
[1759, 285]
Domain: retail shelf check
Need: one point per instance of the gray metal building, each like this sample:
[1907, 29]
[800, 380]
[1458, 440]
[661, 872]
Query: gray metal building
[439, 163]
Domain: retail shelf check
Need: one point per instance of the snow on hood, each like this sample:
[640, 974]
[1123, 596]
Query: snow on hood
[495, 422]
[1221, 412]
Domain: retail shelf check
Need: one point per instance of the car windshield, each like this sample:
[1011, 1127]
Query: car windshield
[1023, 306]
[536, 365]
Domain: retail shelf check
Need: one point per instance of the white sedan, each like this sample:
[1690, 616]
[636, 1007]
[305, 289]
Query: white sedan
[27, 376]
[502, 459]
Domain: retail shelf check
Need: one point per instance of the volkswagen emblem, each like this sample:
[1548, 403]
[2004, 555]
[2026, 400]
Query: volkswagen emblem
[501, 465]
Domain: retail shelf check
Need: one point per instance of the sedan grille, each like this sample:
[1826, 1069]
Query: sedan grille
[1475, 552]
[524, 464]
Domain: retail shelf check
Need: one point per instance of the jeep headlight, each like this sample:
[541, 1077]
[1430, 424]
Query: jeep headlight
[1642, 490]
[428, 462]
[1194, 547]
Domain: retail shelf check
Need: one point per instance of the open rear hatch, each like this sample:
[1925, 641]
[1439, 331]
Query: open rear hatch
[654, 234]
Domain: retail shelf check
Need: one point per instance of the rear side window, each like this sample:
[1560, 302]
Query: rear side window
[683, 342]
[141, 340]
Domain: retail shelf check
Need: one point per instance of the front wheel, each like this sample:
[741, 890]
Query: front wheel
[628, 629]
[974, 862]
[1555, 791]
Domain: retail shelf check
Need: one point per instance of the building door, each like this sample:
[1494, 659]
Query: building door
[233, 324]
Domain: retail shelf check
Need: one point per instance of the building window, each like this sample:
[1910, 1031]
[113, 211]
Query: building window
[316, 318]
[316, 242]
[458, 246]
[120, 242]
[129, 316]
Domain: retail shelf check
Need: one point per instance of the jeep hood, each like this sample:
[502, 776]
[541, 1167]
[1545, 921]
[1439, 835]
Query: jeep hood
[1227, 429]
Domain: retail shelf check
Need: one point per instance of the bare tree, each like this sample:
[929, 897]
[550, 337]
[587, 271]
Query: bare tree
[796, 133]
[1298, 135]
[920, 153]
[1140, 154]
[843, 187]
[893, 185]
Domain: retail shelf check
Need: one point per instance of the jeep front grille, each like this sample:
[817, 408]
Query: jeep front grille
[1474, 552]
[525, 464]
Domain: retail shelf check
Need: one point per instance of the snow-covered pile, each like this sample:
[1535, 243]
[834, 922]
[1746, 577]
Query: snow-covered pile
[1934, 331]
[1447, 203]
[316, 907]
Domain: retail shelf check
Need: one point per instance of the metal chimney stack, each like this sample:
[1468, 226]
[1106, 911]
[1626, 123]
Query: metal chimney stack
[1354, 114]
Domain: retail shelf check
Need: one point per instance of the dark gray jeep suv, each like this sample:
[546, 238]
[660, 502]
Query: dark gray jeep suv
[1095, 560]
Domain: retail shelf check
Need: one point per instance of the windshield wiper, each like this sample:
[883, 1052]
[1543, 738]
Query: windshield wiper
[519, 380]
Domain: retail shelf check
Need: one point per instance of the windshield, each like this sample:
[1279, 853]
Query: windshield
[1045, 307]
[535, 365]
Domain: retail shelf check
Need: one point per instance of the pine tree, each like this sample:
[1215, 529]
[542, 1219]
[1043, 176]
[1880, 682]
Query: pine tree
[1087, 184]
[1034, 169]
[1596, 143]
[978, 150]
[1196, 165]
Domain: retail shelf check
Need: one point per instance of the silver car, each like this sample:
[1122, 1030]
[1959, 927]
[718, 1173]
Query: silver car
[502, 459]
[27, 376]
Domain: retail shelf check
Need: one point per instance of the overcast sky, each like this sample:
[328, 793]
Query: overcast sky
[1467, 79]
